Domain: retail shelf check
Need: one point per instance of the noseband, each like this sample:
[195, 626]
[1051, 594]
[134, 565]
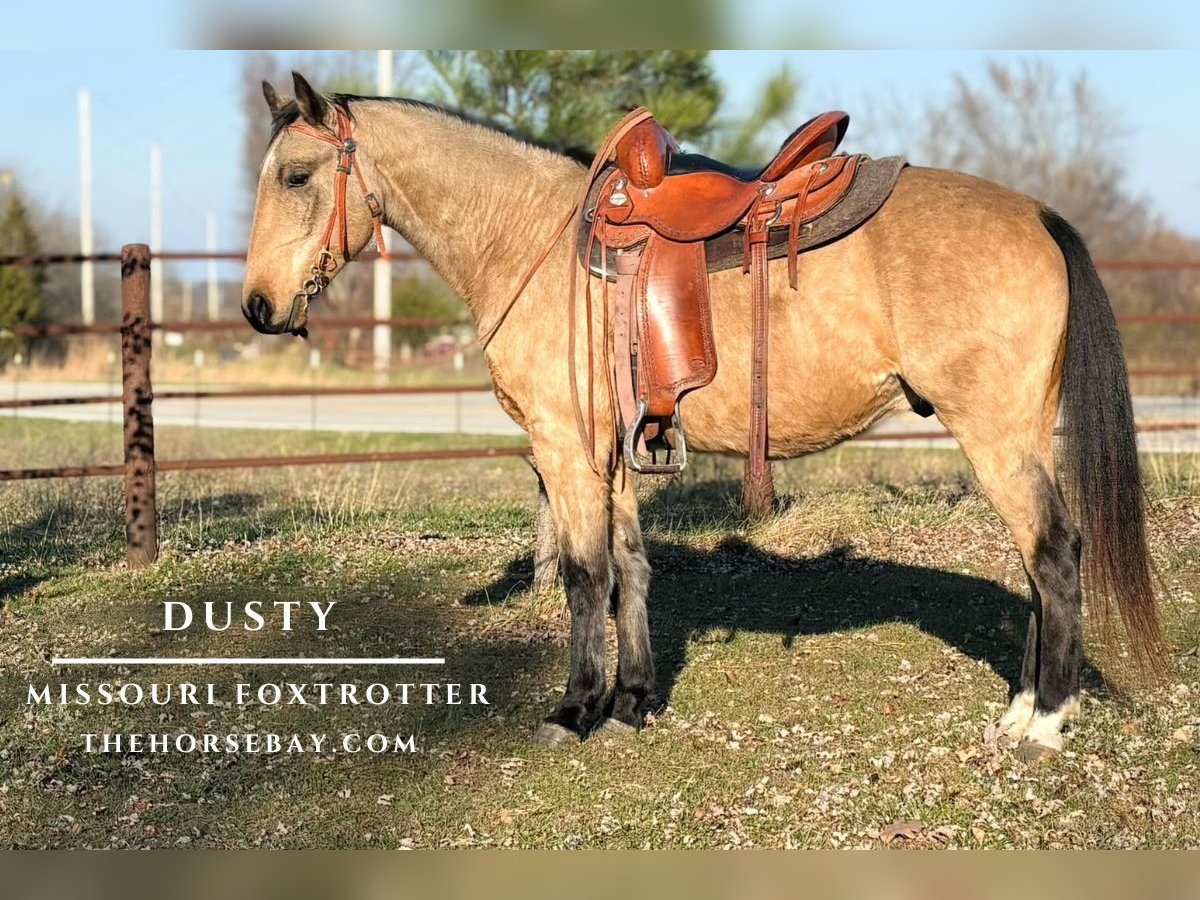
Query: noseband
[323, 269]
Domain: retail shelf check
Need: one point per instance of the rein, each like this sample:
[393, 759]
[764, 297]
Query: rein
[323, 269]
[587, 429]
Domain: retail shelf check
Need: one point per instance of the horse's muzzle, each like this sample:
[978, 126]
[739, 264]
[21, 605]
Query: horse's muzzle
[258, 312]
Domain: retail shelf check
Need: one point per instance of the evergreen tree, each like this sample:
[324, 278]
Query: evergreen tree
[21, 287]
[571, 98]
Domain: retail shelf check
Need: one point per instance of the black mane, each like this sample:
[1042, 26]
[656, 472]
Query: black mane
[289, 113]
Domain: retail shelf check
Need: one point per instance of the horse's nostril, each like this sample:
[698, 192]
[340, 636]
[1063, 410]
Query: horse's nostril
[260, 309]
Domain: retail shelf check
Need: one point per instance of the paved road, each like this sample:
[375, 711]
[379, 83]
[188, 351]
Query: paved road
[470, 413]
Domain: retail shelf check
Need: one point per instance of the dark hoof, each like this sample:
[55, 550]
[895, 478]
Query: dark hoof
[614, 728]
[551, 735]
[1031, 752]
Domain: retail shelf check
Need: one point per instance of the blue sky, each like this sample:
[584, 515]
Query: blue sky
[189, 102]
[884, 24]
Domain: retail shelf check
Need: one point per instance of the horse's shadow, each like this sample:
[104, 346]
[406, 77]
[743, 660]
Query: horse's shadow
[738, 587]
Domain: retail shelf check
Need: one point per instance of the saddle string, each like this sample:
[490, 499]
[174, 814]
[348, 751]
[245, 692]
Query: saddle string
[326, 264]
[587, 431]
[755, 262]
[793, 245]
[610, 384]
[596, 233]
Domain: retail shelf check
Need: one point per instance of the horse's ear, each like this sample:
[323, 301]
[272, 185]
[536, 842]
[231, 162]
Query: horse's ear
[314, 108]
[274, 103]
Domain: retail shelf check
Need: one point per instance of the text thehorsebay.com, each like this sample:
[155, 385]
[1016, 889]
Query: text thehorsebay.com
[189, 695]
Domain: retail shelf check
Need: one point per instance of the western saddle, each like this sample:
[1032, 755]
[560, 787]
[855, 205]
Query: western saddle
[658, 222]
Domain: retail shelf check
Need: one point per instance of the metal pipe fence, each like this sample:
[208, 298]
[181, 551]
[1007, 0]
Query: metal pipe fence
[141, 467]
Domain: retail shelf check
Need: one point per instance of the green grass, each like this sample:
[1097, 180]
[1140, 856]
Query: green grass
[829, 672]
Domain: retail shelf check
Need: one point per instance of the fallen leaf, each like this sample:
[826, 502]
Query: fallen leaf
[906, 831]
[945, 833]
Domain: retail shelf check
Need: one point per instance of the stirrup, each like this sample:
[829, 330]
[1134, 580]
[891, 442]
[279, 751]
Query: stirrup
[654, 467]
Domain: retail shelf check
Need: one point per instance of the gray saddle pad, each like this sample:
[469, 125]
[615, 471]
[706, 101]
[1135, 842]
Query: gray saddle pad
[873, 184]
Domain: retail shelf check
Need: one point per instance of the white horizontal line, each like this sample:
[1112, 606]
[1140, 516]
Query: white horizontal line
[246, 661]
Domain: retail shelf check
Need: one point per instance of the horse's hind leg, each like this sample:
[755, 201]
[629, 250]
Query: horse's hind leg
[635, 663]
[1058, 619]
[579, 501]
[1015, 469]
[545, 549]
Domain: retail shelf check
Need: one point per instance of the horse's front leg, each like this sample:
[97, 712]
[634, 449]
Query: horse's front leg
[579, 503]
[634, 693]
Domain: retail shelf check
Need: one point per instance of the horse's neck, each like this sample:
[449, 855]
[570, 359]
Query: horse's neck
[472, 201]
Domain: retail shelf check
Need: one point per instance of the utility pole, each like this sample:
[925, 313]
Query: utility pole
[156, 234]
[383, 269]
[87, 272]
[214, 293]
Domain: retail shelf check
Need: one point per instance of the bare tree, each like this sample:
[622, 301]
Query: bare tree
[1030, 127]
[1052, 136]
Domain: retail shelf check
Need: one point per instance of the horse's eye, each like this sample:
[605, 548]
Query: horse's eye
[297, 179]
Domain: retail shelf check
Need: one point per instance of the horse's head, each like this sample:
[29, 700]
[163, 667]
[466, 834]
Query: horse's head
[304, 227]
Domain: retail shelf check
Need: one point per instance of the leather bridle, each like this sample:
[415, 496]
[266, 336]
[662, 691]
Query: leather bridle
[326, 265]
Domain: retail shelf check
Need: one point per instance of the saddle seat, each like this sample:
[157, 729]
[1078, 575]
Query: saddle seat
[688, 197]
[817, 138]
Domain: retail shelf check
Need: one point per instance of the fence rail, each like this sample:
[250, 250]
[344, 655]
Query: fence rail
[51, 259]
[69, 328]
[45, 259]
[244, 393]
[267, 462]
[140, 467]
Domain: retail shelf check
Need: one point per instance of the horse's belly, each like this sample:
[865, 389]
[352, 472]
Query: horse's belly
[808, 412]
[831, 361]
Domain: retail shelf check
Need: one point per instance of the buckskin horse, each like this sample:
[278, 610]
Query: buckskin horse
[957, 295]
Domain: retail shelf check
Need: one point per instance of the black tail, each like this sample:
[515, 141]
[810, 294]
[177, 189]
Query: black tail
[1099, 455]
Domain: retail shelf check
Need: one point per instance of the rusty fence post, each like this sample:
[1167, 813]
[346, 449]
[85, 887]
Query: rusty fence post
[141, 512]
